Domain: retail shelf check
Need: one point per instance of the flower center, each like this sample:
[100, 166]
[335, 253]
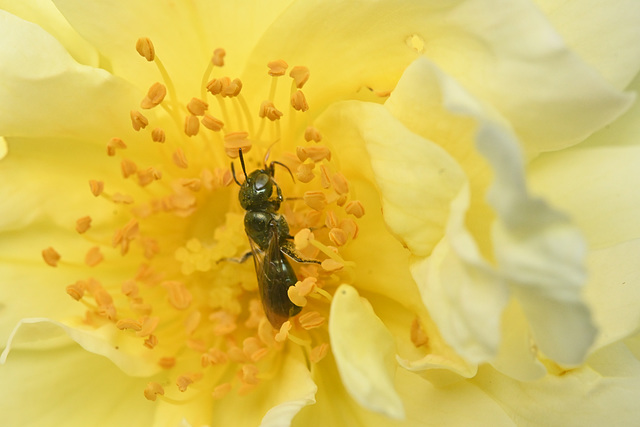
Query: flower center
[170, 273]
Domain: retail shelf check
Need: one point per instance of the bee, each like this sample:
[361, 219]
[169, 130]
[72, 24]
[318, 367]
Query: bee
[271, 244]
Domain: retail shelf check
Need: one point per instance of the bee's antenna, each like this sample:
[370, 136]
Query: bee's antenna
[242, 163]
[233, 173]
[272, 169]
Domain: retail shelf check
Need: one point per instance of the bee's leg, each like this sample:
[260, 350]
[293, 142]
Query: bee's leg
[238, 260]
[290, 250]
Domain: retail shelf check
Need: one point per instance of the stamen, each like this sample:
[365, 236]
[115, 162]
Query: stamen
[218, 57]
[221, 391]
[338, 236]
[311, 320]
[130, 324]
[152, 390]
[355, 208]
[316, 200]
[350, 227]
[304, 173]
[191, 125]
[294, 296]
[50, 256]
[77, 290]
[97, 187]
[299, 102]
[155, 96]
[167, 362]
[231, 89]
[418, 336]
[319, 352]
[325, 182]
[302, 238]
[93, 257]
[157, 135]
[138, 121]
[312, 134]
[235, 141]
[145, 48]
[282, 335]
[331, 265]
[212, 123]
[113, 144]
[128, 168]
[268, 110]
[179, 297]
[197, 107]
[340, 183]
[277, 68]
[300, 75]
[83, 224]
[315, 153]
[179, 158]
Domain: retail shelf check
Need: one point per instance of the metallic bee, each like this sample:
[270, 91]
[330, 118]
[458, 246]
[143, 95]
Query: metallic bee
[270, 241]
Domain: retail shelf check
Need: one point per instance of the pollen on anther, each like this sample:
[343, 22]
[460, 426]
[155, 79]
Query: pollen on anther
[231, 88]
[268, 110]
[152, 390]
[191, 125]
[138, 121]
[155, 95]
[299, 102]
[97, 187]
[300, 74]
[338, 236]
[316, 200]
[113, 144]
[304, 173]
[312, 134]
[277, 67]
[355, 208]
[340, 183]
[157, 135]
[50, 256]
[93, 257]
[218, 57]
[76, 290]
[145, 48]
[83, 224]
[212, 123]
[197, 106]
[179, 159]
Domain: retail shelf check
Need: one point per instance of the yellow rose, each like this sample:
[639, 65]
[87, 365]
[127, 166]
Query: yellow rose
[475, 258]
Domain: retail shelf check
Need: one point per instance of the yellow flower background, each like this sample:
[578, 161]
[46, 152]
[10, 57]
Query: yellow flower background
[468, 169]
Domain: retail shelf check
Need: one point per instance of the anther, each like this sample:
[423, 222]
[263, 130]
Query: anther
[249, 374]
[301, 239]
[191, 125]
[231, 88]
[340, 183]
[325, 182]
[319, 352]
[113, 144]
[151, 342]
[129, 288]
[138, 121]
[218, 57]
[331, 265]
[147, 176]
[235, 141]
[128, 168]
[221, 391]
[155, 95]
[315, 153]
[338, 236]
[93, 257]
[268, 110]
[300, 75]
[97, 187]
[316, 200]
[184, 381]
[51, 257]
[197, 107]
[152, 390]
[299, 102]
[149, 325]
[277, 67]
[294, 296]
[282, 335]
[179, 158]
[145, 48]
[167, 362]
[311, 320]
[418, 336]
[123, 199]
[350, 227]
[312, 134]
[214, 86]
[157, 135]
[76, 291]
[214, 356]
[130, 324]
[179, 297]
[212, 123]
[83, 224]
[355, 208]
[304, 172]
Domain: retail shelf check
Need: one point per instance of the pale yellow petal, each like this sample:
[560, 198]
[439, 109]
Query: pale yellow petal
[39, 77]
[598, 32]
[613, 291]
[66, 385]
[594, 187]
[364, 350]
[603, 392]
[45, 14]
[123, 350]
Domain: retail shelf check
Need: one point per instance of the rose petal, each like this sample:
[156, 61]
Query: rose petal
[364, 350]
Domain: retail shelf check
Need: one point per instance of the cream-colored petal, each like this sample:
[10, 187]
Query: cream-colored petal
[108, 341]
[603, 392]
[613, 291]
[552, 98]
[45, 92]
[599, 32]
[184, 35]
[464, 295]
[594, 187]
[66, 385]
[364, 350]
[45, 14]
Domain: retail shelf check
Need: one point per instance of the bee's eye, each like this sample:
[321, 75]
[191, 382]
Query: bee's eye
[261, 181]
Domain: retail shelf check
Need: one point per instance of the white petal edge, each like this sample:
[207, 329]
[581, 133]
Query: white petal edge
[125, 352]
[364, 350]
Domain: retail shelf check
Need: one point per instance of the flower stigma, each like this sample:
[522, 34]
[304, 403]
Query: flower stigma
[169, 273]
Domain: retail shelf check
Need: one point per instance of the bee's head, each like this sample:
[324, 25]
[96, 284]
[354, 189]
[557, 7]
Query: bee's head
[260, 192]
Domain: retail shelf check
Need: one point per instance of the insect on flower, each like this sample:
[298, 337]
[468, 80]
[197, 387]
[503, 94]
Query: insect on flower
[271, 244]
